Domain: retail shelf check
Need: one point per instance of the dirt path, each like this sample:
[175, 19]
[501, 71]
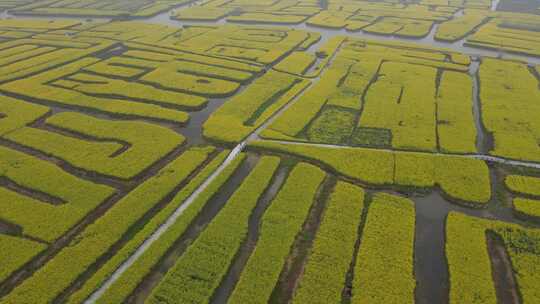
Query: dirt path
[488, 158]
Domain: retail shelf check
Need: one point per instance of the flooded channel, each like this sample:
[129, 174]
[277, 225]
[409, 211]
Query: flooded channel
[431, 266]
[502, 271]
[483, 141]
[431, 269]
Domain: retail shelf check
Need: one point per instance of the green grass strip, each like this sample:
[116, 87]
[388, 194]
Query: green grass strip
[527, 207]
[333, 249]
[468, 260]
[384, 269]
[523, 248]
[523, 184]
[200, 270]
[280, 225]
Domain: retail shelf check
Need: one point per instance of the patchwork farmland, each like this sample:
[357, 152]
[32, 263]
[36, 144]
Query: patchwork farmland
[284, 151]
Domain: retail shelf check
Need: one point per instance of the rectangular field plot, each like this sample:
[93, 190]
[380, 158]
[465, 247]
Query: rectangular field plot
[333, 247]
[391, 218]
[507, 89]
[481, 252]
[386, 96]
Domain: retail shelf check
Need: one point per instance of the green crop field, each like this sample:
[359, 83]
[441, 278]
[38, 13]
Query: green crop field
[269, 151]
